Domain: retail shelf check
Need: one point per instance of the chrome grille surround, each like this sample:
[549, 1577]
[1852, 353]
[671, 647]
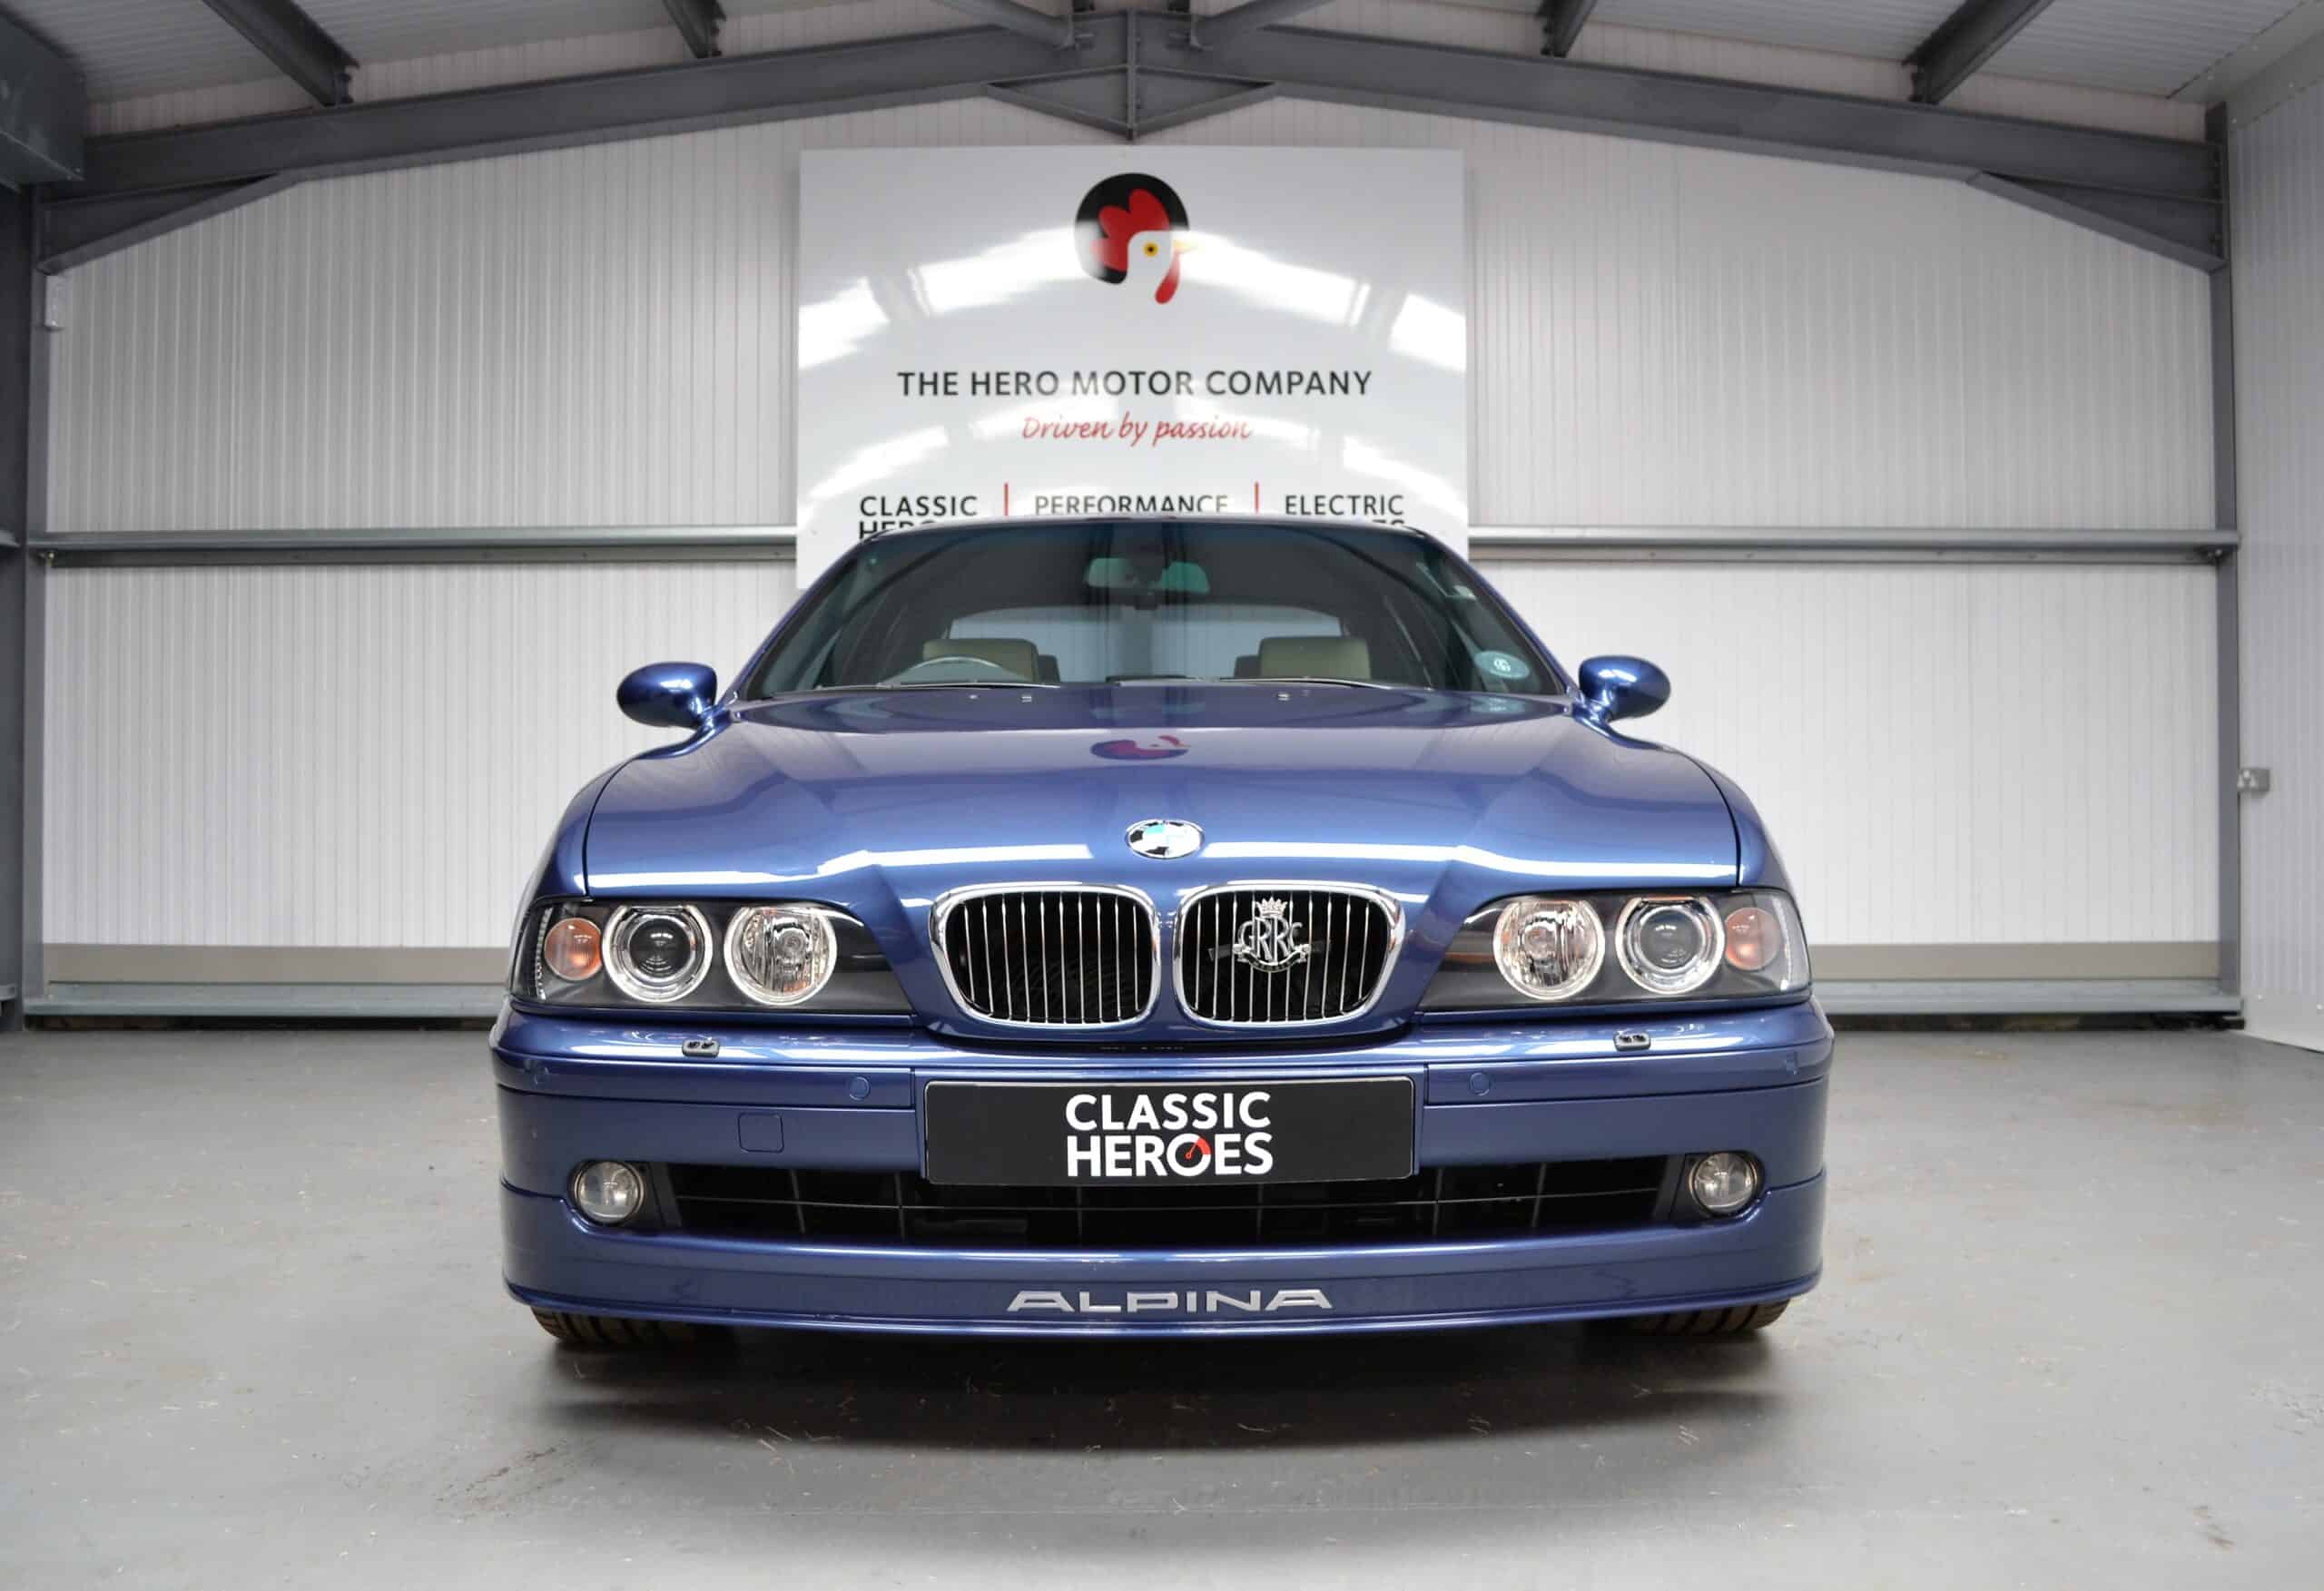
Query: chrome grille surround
[1357, 923]
[1005, 934]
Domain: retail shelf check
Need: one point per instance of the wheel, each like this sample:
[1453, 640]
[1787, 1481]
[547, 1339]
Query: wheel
[1727, 1322]
[618, 1332]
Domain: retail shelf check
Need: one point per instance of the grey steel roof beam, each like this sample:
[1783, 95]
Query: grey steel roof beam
[698, 22]
[1561, 25]
[1965, 41]
[1221, 26]
[295, 42]
[1885, 134]
[1040, 25]
[561, 112]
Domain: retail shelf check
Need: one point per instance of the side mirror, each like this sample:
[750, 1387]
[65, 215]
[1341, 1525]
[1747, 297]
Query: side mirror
[669, 695]
[1622, 687]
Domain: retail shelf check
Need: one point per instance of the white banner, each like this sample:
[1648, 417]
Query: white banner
[994, 332]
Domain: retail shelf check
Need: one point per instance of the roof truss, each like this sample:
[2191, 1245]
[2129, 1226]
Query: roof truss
[1133, 73]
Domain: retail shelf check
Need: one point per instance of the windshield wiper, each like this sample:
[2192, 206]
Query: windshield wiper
[1316, 680]
[953, 686]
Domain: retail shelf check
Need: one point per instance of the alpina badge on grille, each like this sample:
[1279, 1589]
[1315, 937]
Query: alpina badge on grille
[1271, 939]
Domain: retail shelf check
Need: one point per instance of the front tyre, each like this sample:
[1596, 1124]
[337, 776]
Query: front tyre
[619, 1331]
[1734, 1321]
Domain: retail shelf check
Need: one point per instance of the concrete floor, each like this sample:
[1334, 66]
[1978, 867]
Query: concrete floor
[251, 1333]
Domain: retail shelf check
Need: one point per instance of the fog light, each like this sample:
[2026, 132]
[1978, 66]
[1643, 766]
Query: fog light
[1722, 1184]
[608, 1191]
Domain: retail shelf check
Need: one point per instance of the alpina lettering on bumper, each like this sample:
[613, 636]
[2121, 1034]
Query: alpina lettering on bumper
[1256, 1302]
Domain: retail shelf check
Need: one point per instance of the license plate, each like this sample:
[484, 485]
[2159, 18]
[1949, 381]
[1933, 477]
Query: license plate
[1070, 1135]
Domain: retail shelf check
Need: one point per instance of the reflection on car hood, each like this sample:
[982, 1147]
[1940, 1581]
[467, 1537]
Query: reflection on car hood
[878, 802]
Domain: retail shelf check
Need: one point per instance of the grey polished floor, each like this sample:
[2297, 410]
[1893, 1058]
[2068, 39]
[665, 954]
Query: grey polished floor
[251, 1333]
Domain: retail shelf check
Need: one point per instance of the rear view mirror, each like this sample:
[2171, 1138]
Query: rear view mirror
[1615, 687]
[669, 695]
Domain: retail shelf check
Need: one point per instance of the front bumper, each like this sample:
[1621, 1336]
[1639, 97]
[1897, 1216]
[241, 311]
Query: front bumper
[846, 1098]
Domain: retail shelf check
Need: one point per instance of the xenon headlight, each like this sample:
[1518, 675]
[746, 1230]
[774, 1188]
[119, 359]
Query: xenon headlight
[1537, 949]
[657, 954]
[706, 956]
[1669, 945]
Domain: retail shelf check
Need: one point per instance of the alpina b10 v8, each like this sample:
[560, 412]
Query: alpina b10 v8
[1157, 926]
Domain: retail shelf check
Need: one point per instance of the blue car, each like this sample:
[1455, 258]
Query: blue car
[1157, 926]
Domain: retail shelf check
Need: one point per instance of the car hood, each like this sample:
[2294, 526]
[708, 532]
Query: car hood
[880, 802]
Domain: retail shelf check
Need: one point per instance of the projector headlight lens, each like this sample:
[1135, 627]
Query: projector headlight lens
[780, 955]
[657, 954]
[609, 1192]
[1724, 1182]
[1547, 949]
[1669, 945]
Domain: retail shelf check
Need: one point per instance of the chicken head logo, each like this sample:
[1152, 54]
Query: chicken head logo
[1132, 229]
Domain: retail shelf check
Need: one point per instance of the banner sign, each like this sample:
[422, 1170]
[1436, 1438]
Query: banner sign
[986, 333]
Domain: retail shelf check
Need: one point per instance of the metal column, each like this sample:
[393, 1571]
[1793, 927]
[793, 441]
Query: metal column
[2225, 513]
[22, 440]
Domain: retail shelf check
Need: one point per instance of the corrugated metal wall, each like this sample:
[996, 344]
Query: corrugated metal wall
[601, 335]
[344, 755]
[1673, 335]
[2277, 166]
[1947, 755]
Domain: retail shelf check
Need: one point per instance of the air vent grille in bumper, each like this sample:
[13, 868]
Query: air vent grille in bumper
[903, 1210]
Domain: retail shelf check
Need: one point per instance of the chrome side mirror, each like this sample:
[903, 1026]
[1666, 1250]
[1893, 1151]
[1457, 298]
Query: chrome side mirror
[669, 695]
[1615, 687]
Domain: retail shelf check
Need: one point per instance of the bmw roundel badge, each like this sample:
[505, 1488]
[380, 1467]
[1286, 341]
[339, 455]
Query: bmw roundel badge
[1163, 839]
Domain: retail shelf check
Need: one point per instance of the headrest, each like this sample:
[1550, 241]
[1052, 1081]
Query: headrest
[1019, 657]
[1333, 657]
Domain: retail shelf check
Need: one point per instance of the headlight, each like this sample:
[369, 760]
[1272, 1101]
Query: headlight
[1547, 949]
[1539, 949]
[779, 954]
[1669, 945]
[658, 953]
[707, 956]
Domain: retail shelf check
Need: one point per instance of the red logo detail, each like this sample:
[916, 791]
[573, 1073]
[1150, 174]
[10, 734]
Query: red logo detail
[1141, 750]
[1118, 213]
[1118, 226]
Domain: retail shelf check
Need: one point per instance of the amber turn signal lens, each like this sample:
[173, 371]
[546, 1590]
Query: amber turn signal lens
[1753, 938]
[572, 950]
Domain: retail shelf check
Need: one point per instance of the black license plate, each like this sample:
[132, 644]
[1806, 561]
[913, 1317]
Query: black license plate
[1070, 1135]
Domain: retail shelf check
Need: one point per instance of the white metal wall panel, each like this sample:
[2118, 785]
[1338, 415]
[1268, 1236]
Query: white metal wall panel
[125, 47]
[588, 337]
[1670, 335]
[1946, 755]
[266, 96]
[2142, 46]
[1884, 29]
[600, 336]
[2277, 167]
[344, 755]
[370, 31]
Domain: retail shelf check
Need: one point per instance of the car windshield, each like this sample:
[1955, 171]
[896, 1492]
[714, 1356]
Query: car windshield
[1135, 601]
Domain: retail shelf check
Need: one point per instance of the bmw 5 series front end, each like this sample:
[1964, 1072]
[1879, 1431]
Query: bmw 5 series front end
[1162, 927]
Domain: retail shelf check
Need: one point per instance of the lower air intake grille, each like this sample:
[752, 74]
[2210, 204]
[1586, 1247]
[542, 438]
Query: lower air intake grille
[1066, 958]
[899, 1209]
[1269, 955]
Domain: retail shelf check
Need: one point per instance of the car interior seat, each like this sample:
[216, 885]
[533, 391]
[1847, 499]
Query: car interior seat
[1334, 657]
[1019, 657]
